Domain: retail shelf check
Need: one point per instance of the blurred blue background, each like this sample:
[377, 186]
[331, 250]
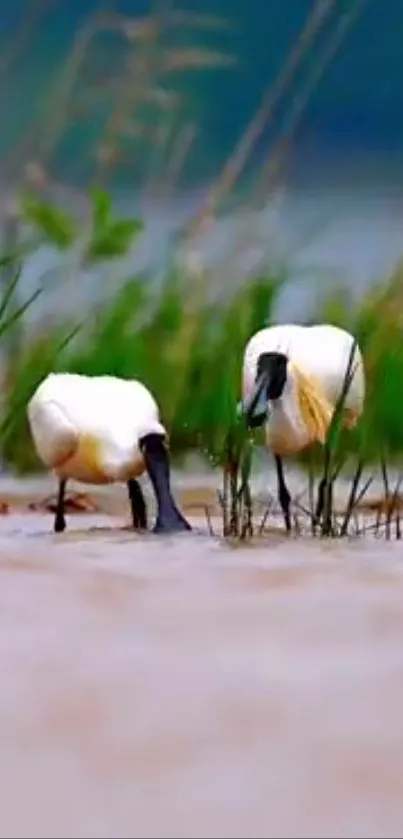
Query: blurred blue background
[341, 194]
[357, 107]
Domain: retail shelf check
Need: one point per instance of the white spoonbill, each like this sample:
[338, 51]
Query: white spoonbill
[293, 377]
[100, 430]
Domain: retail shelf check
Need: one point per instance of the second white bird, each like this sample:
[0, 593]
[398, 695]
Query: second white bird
[293, 377]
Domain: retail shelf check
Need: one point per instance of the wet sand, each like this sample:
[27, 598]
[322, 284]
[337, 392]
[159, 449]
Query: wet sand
[175, 687]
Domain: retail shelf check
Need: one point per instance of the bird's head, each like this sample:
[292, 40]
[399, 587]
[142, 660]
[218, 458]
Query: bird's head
[270, 379]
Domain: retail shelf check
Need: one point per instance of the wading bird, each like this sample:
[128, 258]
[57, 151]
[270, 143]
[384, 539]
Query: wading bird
[101, 430]
[293, 377]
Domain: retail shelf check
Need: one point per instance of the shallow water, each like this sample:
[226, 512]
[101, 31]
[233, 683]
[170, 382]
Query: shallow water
[175, 687]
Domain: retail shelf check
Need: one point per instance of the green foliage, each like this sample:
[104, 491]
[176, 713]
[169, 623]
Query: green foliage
[376, 322]
[110, 238]
[9, 321]
[40, 357]
[53, 225]
[12, 310]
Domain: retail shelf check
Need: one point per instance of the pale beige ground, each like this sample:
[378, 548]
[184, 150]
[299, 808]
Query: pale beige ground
[172, 688]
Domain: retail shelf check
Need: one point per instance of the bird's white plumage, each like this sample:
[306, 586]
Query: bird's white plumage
[321, 353]
[89, 427]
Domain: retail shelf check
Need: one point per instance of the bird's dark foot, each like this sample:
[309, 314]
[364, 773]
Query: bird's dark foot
[60, 524]
[287, 523]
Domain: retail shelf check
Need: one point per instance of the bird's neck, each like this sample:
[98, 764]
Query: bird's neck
[286, 431]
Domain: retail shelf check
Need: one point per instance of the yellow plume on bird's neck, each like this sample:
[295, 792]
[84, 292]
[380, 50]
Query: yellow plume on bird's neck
[315, 409]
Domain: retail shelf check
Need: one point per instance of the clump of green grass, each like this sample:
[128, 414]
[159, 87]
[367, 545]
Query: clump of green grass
[375, 321]
[23, 374]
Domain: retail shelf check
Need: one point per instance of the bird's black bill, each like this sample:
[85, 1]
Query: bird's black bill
[169, 518]
[255, 408]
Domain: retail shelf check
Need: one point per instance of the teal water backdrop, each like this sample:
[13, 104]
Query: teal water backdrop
[357, 106]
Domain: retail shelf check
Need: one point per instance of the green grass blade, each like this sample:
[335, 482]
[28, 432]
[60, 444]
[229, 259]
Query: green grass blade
[12, 319]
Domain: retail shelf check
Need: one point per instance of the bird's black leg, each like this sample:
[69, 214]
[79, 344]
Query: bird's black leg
[138, 505]
[320, 501]
[60, 521]
[284, 496]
